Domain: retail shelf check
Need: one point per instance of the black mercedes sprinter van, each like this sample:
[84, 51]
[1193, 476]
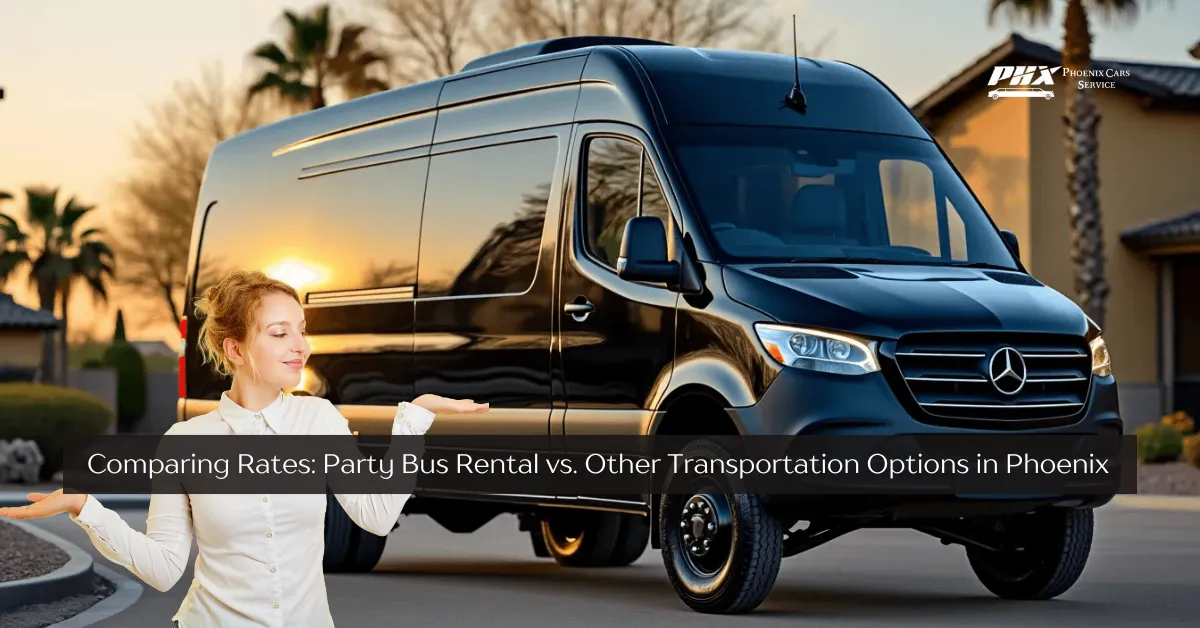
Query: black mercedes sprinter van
[619, 236]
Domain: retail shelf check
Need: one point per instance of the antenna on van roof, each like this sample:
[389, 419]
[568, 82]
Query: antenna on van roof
[795, 100]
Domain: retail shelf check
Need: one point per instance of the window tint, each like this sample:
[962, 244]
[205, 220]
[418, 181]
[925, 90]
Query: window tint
[620, 180]
[784, 194]
[484, 212]
[343, 231]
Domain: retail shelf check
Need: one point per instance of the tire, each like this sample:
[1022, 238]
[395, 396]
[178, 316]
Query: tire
[1059, 543]
[593, 539]
[348, 547]
[736, 572]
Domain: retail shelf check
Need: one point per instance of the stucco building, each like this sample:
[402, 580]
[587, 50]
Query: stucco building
[1012, 151]
[22, 332]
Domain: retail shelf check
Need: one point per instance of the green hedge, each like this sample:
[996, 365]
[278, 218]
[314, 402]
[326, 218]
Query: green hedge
[1158, 442]
[49, 415]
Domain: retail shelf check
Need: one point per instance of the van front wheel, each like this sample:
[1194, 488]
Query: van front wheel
[721, 548]
[1044, 556]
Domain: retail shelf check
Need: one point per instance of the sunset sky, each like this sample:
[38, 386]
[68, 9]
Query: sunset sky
[78, 75]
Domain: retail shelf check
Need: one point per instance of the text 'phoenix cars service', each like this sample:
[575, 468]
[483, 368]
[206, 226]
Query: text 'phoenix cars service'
[603, 235]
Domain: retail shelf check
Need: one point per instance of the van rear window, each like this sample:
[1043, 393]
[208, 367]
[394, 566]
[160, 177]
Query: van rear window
[350, 230]
[484, 213]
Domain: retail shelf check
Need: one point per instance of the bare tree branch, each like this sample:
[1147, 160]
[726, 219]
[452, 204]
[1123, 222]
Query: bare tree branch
[432, 38]
[154, 222]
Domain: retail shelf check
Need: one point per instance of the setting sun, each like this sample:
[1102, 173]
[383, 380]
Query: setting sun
[298, 275]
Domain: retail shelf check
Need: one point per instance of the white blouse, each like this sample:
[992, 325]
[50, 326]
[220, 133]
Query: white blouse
[260, 556]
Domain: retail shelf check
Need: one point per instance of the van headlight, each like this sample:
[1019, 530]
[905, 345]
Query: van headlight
[1101, 361]
[818, 350]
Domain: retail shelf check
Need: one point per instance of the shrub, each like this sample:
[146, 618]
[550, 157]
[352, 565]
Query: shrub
[131, 383]
[1180, 421]
[1191, 450]
[1158, 443]
[130, 366]
[49, 415]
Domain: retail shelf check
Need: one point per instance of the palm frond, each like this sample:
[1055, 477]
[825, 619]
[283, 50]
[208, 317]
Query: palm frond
[11, 231]
[270, 51]
[1111, 11]
[10, 262]
[292, 91]
[42, 208]
[1033, 12]
[67, 221]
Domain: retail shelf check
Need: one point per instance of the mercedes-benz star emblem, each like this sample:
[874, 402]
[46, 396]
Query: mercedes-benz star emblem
[1007, 371]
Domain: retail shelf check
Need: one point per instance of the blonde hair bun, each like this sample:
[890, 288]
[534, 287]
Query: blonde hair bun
[228, 309]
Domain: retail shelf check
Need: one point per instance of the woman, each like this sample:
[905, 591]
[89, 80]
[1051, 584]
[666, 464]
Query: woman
[260, 556]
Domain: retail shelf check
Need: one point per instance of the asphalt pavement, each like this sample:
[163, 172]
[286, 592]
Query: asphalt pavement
[1144, 571]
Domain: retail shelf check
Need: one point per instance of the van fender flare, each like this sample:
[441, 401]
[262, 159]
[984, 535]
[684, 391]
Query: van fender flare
[716, 376]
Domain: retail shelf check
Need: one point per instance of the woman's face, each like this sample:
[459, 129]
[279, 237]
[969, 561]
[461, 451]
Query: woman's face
[279, 350]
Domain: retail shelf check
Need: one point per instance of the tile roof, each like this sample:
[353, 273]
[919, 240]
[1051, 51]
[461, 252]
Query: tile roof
[1180, 230]
[15, 315]
[1175, 85]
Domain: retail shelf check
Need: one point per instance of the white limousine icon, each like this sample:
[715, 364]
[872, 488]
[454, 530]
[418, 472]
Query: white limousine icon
[1020, 92]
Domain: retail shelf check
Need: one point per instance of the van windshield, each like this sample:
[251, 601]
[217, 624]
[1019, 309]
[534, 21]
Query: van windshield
[783, 194]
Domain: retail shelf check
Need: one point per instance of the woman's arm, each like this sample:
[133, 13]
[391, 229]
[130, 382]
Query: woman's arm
[378, 513]
[157, 556]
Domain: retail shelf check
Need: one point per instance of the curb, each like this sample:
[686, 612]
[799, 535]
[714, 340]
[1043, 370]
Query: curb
[127, 594]
[1158, 502]
[73, 578]
[9, 499]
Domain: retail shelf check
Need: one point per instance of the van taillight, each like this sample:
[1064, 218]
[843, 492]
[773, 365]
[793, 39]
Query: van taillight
[182, 357]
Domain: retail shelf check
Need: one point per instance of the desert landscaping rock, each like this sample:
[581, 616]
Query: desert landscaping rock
[1172, 478]
[23, 555]
[50, 613]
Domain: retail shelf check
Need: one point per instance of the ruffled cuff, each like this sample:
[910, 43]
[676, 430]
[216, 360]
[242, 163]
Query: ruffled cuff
[411, 420]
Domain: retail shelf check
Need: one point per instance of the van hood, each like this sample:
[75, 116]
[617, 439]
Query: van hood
[887, 301]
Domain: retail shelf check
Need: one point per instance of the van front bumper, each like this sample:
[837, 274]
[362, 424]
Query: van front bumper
[807, 403]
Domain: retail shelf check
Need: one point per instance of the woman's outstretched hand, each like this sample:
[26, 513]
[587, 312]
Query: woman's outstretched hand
[47, 505]
[445, 405]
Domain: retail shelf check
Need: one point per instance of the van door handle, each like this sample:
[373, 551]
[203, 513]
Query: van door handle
[579, 310]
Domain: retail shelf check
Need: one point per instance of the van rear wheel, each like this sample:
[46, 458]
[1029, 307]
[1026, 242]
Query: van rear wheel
[348, 547]
[594, 539]
[722, 549]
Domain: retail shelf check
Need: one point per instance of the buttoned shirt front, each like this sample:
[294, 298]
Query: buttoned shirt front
[259, 560]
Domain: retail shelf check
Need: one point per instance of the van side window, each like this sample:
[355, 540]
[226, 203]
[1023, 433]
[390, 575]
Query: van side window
[484, 211]
[348, 230]
[621, 184]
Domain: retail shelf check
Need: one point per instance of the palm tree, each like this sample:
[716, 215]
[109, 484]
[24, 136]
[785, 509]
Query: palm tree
[309, 62]
[56, 258]
[1081, 121]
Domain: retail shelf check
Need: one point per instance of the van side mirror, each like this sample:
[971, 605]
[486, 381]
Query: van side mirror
[1010, 238]
[644, 252]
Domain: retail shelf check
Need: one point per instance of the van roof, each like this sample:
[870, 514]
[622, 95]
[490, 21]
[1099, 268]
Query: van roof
[752, 87]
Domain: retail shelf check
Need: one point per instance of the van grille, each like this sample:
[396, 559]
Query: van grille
[951, 378]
